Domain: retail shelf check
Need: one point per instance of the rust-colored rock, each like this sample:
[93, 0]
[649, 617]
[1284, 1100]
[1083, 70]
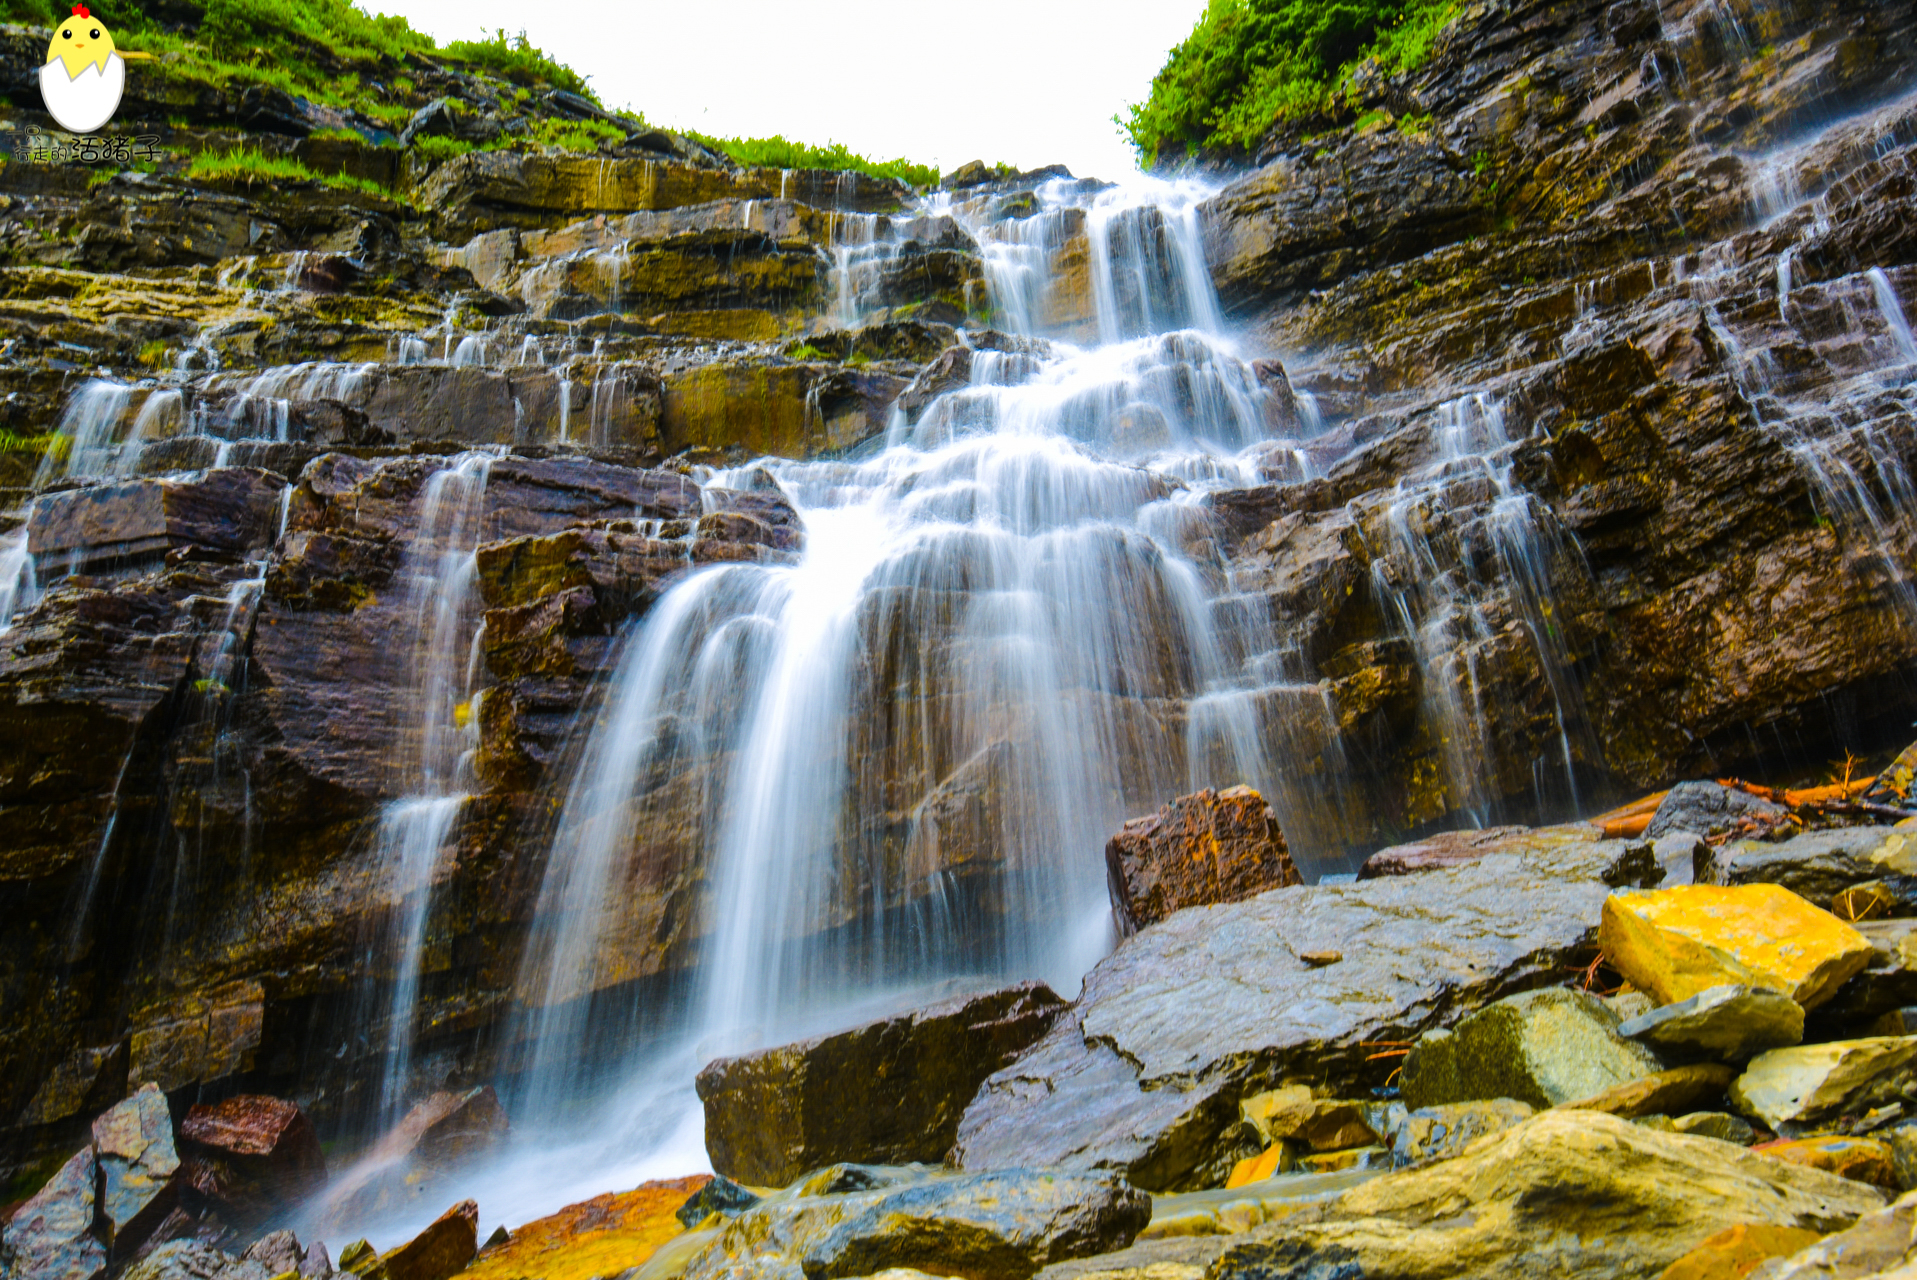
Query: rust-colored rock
[1436, 852]
[603, 1236]
[1737, 1251]
[1859, 1159]
[251, 1155]
[1202, 849]
[442, 1250]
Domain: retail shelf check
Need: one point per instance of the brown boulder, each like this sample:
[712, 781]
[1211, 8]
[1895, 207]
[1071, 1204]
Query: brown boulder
[890, 1092]
[1436, 852]
[251, 1154]
[443, 1249]
[234, 509]
[1200, 850]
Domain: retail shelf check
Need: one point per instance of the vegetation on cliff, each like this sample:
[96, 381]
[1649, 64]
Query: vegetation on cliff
[1249, 64]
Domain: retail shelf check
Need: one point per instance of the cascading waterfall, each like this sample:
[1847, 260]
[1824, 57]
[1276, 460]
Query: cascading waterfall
[432, 759]
[897, 755]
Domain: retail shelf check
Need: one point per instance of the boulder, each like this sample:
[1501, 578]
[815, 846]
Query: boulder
[1574, 1195]
[232, 510]
[977, 1226]
[51, 1235]
[1670, 1092]
[1819, 866]
[1888, 983]
[279, 1252]
[1737, 1251]
[1711, 809]
[1721, 1125]
[139, 1168]
[890, 1091]
[1813, 1081]
[1542, 1048]
[1293, 1113]
[1430, 1134]
[444, 1249]
[1132, 1079]
[1876, 1243]
[1203, 849]
[717, 1195]
[604, 1236]
[1436, 852]
[1675, 943]
[1727, 1023]
[1859, 1159]
[1892, 785]
[251, 1155]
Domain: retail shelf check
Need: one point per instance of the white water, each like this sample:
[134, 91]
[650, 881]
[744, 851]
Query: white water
[439, 732]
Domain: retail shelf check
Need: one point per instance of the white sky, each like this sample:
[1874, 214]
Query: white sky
[1026, 82]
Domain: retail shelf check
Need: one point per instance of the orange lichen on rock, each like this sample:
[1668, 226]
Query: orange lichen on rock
[598, 1237]
[1738, 1251]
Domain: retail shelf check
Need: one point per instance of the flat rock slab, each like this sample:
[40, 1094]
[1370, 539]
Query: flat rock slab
[889, 1092]
[1190, 1016]
[1445, 849]
[1574, 1195]
[995, 1226]
[138, 1168]
[1726, 1023]
[1811, 1082]
[233, 509]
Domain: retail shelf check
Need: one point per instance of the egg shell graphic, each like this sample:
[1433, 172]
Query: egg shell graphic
[84, 102]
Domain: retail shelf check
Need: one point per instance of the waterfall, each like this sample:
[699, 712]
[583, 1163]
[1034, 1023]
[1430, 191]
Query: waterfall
[432, 760]
[85, 444]
[889, 763]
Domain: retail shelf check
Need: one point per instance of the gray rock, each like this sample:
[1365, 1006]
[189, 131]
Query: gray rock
[191, 1260]
[1170, 1258]
[1819, 865]
[1438, 1133]
[1707, 809]
[1724, 1024]
[50, 1236]
[139, 1168]
[1721, 1125]
[1811, 1082]
[1543, 1048]
[1186, 1018]
[1887, 984]
[981, 1226]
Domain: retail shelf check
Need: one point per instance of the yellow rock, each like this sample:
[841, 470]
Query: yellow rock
[1259, 1167]
[1677, 942]
[1738, 1251]
[602, 1236]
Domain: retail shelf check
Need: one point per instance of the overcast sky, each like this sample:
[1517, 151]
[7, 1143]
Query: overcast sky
[1026, 82]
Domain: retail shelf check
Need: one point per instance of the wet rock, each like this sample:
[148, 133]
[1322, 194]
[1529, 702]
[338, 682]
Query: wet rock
[202, 1035]
[1294, 1114]
[1624, 1200]
[1204, 849]
[981, 1226]
[1663, 1093]
[1438, 1133]
[607, 1235]
[1737, 1251]
[192, 1260]
[1859, 1159]
[51, 1235]
[888, 1092]
[232, 510]
[1675, 943]
[1876, 1244]
[139, 1168]
[1445, 849]
[1818, 866]
[1721, 1125]
[1710, 809]
[443, 1249]
[1810, 1082]
[251, 1155]
[1169, 1258]
[434, 1140]
[1542, 1048]
[1893, 784]
[720, 1195]
[279, 1252]
[1724, 1024]
[1130, 1080]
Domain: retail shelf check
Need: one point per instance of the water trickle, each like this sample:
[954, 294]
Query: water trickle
[438, 734]
[86, 443]
[470, 352]
[19, 585]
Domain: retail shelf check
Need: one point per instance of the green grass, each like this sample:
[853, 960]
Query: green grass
[778, 153]
[439, 150]
[1250, 64]
[518, 61]
[247, 167]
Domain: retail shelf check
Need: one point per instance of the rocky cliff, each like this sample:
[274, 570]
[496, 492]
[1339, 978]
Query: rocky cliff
[1582, 352]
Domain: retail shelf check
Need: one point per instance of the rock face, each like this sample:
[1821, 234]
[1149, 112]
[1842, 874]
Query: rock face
[1129, 1079]
[1199, 850]
[1542, 1048]
[1623, 1200]
[996, 1226]
[1676, 943]
[890, 1092]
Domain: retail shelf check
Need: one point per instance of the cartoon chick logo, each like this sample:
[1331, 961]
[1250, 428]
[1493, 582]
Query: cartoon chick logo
[84, 75]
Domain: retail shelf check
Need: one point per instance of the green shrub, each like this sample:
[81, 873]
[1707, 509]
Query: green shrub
[1251, 63]
[518, 61]
[439, 150]
[777, 153]
[572, 135]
